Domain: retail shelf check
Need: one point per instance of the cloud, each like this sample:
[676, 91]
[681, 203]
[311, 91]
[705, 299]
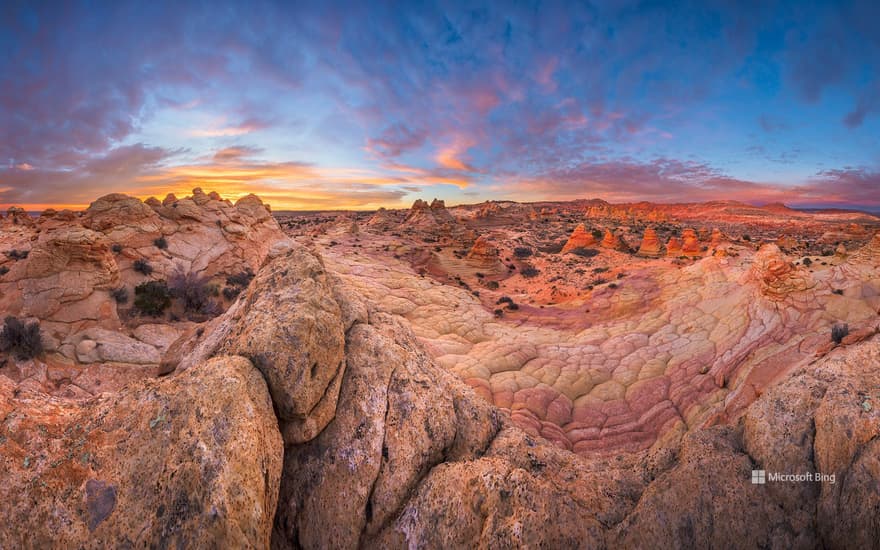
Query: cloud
[676, 181]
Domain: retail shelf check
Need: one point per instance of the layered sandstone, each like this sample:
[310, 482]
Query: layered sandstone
[690, 243]
[650, 246]
[614, 241]
[579, 238]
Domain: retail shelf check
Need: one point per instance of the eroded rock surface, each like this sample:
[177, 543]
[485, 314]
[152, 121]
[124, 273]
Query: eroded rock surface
[193, 460]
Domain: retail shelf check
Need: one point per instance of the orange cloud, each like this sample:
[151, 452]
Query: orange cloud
[451, 157]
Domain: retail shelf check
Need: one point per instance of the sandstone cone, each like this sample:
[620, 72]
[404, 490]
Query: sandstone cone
[690, 245]
[579, 238]
[673, 247]
[650, 246]
[614, 242]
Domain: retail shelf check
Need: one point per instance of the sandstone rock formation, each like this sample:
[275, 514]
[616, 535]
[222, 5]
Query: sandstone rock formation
[778, 276]
[614, 241]
[194, 460]
[66, 271]
[651, 246]
[690, 244]
[484, 255]
[673, 247]
[386, 448]
[579, 238]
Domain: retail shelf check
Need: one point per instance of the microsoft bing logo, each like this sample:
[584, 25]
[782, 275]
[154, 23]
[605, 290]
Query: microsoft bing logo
[759, 477]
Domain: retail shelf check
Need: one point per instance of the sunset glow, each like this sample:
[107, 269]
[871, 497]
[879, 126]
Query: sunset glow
[357, 106]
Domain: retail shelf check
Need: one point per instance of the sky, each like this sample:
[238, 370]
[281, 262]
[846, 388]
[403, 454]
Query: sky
[358, 105]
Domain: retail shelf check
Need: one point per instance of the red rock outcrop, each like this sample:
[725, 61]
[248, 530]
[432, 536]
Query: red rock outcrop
[778, 277]
[690, 244]
[614, 242]
[651, 246]
[673, 247]
[579, 238]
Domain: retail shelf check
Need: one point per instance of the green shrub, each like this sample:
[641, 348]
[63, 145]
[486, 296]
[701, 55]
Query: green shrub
[143, 267]
[529, 271]
[161, 243]
[584, 252]
[522, 252]
[152, 298]
[120, 295]
[116, 248]
[194, 291]
[22, 340]
[839, 331]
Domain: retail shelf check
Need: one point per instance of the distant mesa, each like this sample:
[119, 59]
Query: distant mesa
[580, 238]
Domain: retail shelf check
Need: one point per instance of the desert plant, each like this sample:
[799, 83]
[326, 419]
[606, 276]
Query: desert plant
[584, 252]
[116, 248]
[152, 298]
[492, 285]
[504, 299]
[241, 279]
[597, 234]
[161, 243]
[807, 262]
[194, 291]
[746, 237]
[3, 270]
[20, 339]
[17, 254]
[529, 271]
[522, 252]
[838, 291]
[839, 331]
[143, 267]
[120, 295]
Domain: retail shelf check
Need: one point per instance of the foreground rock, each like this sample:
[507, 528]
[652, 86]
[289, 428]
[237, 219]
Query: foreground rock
[410, 456]
[189, 461]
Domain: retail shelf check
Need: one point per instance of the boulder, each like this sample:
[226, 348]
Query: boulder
[193, 460]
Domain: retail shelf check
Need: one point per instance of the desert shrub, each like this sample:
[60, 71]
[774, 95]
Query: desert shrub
[839, 332]
[838, 291]
[20, 339]
[504, 300]
[512, 306]
[231, 292]
[241, 279]
[152, 297]
[498, 313]
[746, 237]
[194, 291]
[597, 234]
[3, 270]
[17, 254]
[584, 252]
[143, 267]
[492, 285]
[161, 243]
[116, 248]
[600, 269]
[529, 271]
[522, 252]
[120, 295]
[807, 262]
